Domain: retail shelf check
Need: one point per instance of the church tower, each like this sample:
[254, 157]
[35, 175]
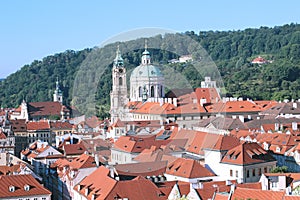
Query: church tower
[57, 96]
[118, 95]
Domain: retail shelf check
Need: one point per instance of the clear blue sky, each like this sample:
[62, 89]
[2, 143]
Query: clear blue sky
[33, 29]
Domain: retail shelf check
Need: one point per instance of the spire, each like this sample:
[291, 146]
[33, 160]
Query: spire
[146, 59]
[146, 44]
[118, 60]
[57, 83]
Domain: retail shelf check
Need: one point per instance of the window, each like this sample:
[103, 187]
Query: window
[259, 171]
[152, 92]
[248, 174]
[35, 198]
[274, 184]
[120, 81]
[231, 172]
[237, 173]
[140, 91]
[253, 172]
[265, 170]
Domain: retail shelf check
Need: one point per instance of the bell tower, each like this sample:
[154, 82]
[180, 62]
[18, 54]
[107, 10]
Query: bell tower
[118, 95]
[57, 96]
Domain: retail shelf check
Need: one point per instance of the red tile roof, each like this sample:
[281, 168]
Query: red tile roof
[2, 135]
[188, 168]
[19, 181]
[233, 107]
[259, 60]
[142, 169]
[245, 193]
[136, 189]
[201, 141]
[288, 197]
[83, 161]
[18, 125]
[136, 144]
[93, 122]
[44, 108]
[60, 125]
[100, 188]
[74, 149]
[7, 170]
[247, 153]
[224, 143]
[40, 125]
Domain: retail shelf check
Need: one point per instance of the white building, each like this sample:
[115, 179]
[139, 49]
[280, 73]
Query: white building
[146, 80]
[244, 163]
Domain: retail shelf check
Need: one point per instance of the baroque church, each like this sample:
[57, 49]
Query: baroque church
[147, 100]
[146, 84]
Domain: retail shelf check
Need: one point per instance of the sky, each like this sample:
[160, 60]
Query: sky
[33, 29]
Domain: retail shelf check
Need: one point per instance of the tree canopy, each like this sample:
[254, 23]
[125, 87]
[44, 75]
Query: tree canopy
[232, 52]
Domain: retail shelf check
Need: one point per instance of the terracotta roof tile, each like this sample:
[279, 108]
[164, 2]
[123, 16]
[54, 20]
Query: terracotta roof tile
[60, 125]
[74, 149]
[142, 169]
[224, 143]
[83, 161]
[136, 189]
[247, 153]
[19, 181]
[245, 193]
[136, 144]
[44, 108]
[100, 188]
[18, 125]
[40, 125]
[188, 168]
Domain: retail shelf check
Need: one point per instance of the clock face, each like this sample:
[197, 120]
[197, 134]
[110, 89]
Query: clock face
[121, 70]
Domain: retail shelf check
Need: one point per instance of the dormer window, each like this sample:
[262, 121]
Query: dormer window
[11, 188]
[26, 187]
[278, 149]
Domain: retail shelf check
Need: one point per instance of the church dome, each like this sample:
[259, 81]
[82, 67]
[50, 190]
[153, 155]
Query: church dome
[146, 71]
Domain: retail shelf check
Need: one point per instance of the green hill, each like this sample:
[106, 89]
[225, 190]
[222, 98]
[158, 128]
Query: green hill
[232, 51]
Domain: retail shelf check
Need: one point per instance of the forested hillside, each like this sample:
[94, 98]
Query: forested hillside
[232, 51]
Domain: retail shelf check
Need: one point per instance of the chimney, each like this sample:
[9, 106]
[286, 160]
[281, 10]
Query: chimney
[295, 105]
[294, 126]
[242, 118]
[161, 101]
[202, 101]
[228, 182]
[175, 102]
[86, 192]
[232, 189]
[112, 173]
[97, 160]
[194, 100]
[79, 187]
[276, 127]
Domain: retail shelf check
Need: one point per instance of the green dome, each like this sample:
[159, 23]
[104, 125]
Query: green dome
[146, 71]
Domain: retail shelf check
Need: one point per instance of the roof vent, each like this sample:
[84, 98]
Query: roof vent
[11, 188]
[26, 187]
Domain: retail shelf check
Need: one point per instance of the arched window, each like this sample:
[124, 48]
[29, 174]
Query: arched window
[152, 91]
[140, 91]
[161, 91]
[120, 81]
